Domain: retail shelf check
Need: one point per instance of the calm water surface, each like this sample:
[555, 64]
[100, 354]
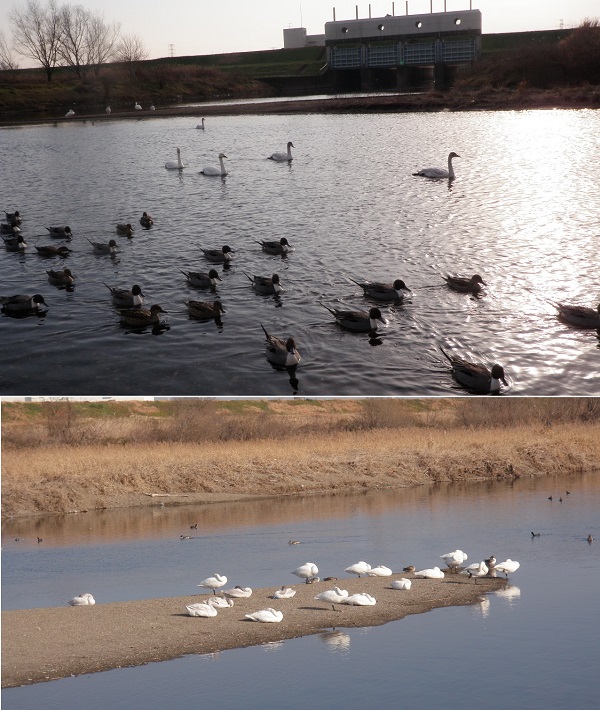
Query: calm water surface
[523, 212]
[533, 645]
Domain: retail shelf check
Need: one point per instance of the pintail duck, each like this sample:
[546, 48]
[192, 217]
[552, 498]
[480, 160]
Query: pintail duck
[60, 232]
[200, 279]
[283, 157]
[282, 353]
[465, 285]
[211, 170]
[15, 243]
[265, 285]
[384, 292]
[219, 255]
[13, 229]
[439, 173]
[580, 315]
[280, 247]
[13, 218]
[61, 278]
[51, 250]
[126, 230]
[475, 377]
[358, 321]
[146, 220]
[205, 310]
[140, 317]
[22, 303]
[124, 298]
[102, 248]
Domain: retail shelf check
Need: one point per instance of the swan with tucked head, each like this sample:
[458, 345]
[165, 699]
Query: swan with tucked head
[175, 164]
[211, 170]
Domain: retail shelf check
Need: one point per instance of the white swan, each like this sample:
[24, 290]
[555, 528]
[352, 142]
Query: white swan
[201, 609]
[454, 559]
[508, 566]
[307, 570]
[108, 110]
[175, 164]
[401, 584]
[284, 593]
[69, 113]
[379, 571]
[220, 602]
[478, 569]
[238, 592]
[137, 107]
[360, 599]
[83, 600]
[268, 615]
[437, 173]
[210, 170]
[214, 583]
[432, 573]
[283, 157]
[333, 596]
[201, 125]
[358, 568]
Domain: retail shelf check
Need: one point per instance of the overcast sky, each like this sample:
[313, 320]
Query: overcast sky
[216, 26]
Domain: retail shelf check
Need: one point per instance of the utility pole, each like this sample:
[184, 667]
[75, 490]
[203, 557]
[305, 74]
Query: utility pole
[171, 50]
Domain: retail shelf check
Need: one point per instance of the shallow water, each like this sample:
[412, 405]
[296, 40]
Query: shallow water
[532, 645]
[522, 213]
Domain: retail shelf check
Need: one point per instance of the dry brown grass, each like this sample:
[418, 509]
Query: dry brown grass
[63, 478]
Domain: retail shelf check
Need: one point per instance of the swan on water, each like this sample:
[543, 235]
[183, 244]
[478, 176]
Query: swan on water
[431, 573]
[266, 615]
[360, 599]
[437, 173]
[201, 125]
[108, 110]
[333, 596]
[238, 592]
[211, 170]
[401, 584]
[175, 164]
[69, 113]
[379, 571]
[214, 583]
[284, 593]
[283, 157]
[307, 570]
[358, 568]
[83, 600]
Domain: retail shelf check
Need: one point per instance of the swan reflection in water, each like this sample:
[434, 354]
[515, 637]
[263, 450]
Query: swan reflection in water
[335, 640]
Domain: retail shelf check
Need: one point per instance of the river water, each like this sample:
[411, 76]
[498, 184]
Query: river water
[522, 212]
[532, 645]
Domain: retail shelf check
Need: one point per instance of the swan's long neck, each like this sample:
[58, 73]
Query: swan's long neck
[450, 168]
[222, 166]
[289, 152]
[179, 158]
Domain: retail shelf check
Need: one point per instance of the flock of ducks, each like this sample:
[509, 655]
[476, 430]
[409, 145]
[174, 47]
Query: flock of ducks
[210, 607]
[279, 351]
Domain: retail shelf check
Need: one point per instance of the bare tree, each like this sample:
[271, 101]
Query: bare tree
[37, 33]
[7, 60]
[101, 40]
[130, 50]
[73, 49]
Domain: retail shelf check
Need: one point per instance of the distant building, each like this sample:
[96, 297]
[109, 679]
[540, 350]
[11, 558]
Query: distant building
[296, 37]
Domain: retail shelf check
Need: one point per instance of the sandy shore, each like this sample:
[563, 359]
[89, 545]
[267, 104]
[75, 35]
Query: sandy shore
[46, 644]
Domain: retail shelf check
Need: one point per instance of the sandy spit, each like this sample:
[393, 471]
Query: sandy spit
[45, 644]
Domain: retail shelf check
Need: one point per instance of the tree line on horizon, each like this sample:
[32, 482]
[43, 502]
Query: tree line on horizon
[67, 36]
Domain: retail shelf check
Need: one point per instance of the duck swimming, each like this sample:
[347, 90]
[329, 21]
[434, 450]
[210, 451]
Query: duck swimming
[282, 353]
[219, 255]
[439, 173]
[13, 218]
[200, 279]
[102, 248]
[16, 243]
[266, 285]
[60, 232]
[126, 230]
[50, 250]
[205, 310]
[61, 278]
[465, 285]
[384, 292]
[475, 377]
[357, 321]
[126, 298]
[22, 302]
[280, 247]
[140, 317]
[146, 220]
[580, 316]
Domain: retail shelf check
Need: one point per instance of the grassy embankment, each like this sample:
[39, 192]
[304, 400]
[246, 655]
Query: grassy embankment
[64, 457]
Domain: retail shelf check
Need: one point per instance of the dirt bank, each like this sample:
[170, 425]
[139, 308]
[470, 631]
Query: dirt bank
[45, 644]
